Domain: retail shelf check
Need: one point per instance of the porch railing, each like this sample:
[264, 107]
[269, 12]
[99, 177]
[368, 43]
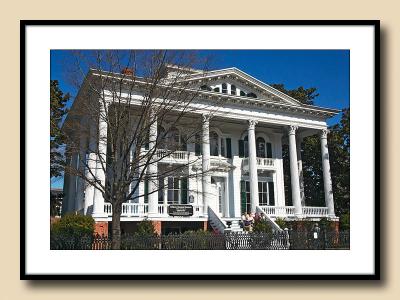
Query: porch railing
[262, 163]
[172, 155]
[288, 211]
[142, 209]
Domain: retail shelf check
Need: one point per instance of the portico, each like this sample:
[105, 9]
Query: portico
[235, 166]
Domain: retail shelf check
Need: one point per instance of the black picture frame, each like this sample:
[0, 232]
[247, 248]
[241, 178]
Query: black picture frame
[23, 179]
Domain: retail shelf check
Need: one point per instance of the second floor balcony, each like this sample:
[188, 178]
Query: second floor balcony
[263, 163]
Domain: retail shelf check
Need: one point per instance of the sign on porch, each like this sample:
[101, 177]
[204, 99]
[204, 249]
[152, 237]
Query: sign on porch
[177, 210]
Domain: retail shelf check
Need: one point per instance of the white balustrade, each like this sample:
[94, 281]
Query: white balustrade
[288, 211]
[171, 155]
[262, 163]
[129, 209]
[315, 211]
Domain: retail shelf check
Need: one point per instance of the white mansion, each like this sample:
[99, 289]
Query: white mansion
[240, 158]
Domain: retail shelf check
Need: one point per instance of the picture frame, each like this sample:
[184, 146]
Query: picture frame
[28, 257]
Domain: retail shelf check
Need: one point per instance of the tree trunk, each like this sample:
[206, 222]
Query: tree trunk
[116, 225]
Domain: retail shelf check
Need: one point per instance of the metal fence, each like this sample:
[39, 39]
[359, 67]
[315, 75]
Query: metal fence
[294, 240]
[319, 240]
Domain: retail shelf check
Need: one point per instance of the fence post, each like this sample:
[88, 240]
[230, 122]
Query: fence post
[287, 238]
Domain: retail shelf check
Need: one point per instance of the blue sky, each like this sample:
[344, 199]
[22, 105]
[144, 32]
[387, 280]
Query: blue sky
[326, 70]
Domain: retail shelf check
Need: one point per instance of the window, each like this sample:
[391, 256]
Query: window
[214, 145]
[251, 95]
[246, 146]
[161, 190]
[172, 139]
[173, 190]
[242, 93]
[224, 88]
[262, 193]
[205, 88]
[245, 196]
[216, 89]
[233, 89]
[223, 147]
[260, 147]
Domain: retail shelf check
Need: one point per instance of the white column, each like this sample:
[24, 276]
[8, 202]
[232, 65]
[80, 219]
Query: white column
[152, 169]
[300, 167]
[326, 169]
[254, 201]
[165, 194]
[98, 201]
[206, 177]
[91, 169]
[226, 205]
[72, 183]
[80, 198]
[294, 172]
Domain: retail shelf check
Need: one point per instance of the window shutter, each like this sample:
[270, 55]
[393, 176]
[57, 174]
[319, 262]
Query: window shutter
[269, 150]
[228, 148]
[183, 144]
[241, 148]
[242, 196]
[146, 191]
[184, 188]
[197, 146]
[271, 194]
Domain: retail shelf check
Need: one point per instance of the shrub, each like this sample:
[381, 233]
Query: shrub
[262, 226]
[145, 227]
[281, 223]
[72, 232]
[344, 222]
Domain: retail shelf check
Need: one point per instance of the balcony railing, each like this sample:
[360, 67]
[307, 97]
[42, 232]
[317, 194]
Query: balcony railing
[262, 163]
[172, 156]
[288, 211]
[142, 209]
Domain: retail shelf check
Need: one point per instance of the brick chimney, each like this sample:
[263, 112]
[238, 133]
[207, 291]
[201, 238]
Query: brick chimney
[127, 71]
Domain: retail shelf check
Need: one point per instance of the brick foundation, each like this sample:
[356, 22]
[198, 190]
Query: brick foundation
[101, 228]
[205, 226]
[157, 226]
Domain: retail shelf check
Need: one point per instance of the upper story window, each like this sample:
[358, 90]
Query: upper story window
[263, 149]
[205, 88]
[216, 89]
[251, 95]
[233, 89]
[224, 88]
[214, 144]
[171, 140]
[242, 93]
[260, 147]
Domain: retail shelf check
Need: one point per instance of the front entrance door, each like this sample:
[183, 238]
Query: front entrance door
[217, 195]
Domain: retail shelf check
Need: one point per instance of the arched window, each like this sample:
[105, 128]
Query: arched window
[214, 143]
[161, 137]
[205, 88]
[242, 93]
[216, 89]
[246, 146]
[233, 89]
[172, 139]
[224, 88]
[260, 147]
[251, 95]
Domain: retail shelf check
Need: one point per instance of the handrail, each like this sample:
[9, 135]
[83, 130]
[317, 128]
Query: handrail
[214, 218]
[273, 223]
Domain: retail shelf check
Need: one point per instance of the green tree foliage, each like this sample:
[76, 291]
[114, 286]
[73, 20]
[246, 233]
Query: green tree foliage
[305, 96]
[74, 226]
[145, 227]
[58, 101]
[339, 152]
[262, 226]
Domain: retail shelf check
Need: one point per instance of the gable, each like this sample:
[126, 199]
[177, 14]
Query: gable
[237, 83]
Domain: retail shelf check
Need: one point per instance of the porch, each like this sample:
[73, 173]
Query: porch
[140, 210]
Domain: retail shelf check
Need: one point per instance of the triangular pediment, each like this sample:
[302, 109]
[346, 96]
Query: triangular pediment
[235, 82]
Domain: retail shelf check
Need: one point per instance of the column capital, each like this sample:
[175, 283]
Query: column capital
[292, 129]
[252, 124]
[324, 133]
[206, 117]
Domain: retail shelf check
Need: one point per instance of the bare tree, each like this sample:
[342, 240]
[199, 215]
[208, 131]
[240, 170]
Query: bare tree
[124, 120]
